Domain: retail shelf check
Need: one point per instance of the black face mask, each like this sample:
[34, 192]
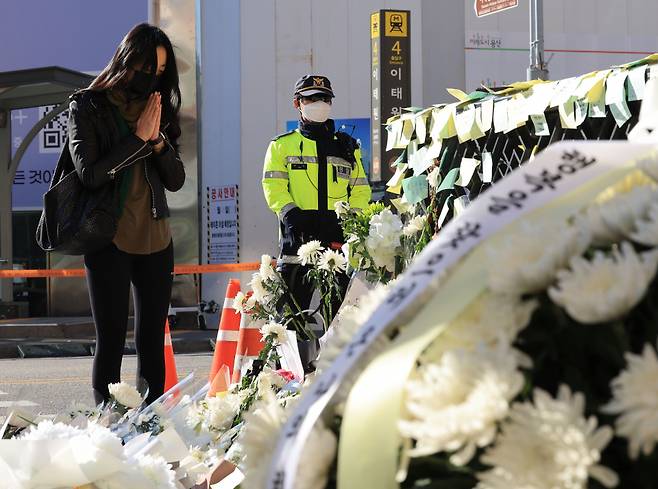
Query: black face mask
[143, 84]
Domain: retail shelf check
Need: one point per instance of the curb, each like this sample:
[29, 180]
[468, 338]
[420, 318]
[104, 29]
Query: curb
[24, 348]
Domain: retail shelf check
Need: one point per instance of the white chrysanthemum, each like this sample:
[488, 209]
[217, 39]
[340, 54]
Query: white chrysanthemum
[157, 471]
[635, 398]
[266, 270]
[47, 430]
[383, 239]
[310, 252]
[490, 319]
[528, 260]
[221, 411]
[434, 177]
[548, 445]
[143, 472]
[414, 226]
[125, 394]
[103, 439]
[258, 440]
[332, 260]
[267, 379]
[81, 410]
[614, 220]
[88, 447]
[342, 208]
[276, 329]
[214, 415]
[454, 404]
[195, 417]
[260, 292]
[606, 287]
[646, 229]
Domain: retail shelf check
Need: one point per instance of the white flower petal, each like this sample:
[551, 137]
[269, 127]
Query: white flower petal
[646, 229]
[266, 270]
[635, 399]
[615, 219]
[528, 260]
[415, 225]
[606, 287]
[276, 329]
[332, 260]
[125, 394]
[383, 241]
[548, 444]
[310, 252]
[455, 404]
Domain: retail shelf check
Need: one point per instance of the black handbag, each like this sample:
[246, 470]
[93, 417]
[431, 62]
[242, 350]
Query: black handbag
[76, 220]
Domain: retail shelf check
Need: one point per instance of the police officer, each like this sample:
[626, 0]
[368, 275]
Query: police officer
[306, 172]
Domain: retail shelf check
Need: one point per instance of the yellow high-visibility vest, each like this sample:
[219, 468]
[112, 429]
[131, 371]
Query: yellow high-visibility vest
[290, 176]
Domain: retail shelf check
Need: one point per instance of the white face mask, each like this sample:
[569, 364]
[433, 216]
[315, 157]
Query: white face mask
[316, 111]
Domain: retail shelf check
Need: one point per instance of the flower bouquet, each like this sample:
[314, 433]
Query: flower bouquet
[381, 243]
[271, 301]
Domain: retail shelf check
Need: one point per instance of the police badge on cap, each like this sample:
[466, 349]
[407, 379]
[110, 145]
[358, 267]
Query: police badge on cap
[309, 85]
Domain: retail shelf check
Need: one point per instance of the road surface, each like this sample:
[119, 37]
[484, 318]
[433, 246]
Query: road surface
[50, 385]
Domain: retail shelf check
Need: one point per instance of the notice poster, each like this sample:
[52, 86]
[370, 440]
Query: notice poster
[222, 224]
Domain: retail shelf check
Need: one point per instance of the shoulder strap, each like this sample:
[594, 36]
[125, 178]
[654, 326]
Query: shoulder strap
[64, 164]
[283, 135]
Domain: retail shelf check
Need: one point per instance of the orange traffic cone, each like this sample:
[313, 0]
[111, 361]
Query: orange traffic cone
[249, 346]
[227, 333]
[171, 377]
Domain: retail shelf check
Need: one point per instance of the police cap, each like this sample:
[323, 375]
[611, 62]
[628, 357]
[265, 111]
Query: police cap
[309, 85]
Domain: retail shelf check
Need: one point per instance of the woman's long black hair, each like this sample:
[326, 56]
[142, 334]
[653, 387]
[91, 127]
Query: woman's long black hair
[139, 47]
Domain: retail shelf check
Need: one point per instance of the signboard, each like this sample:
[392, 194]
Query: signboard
[222, 228]
[390, 82]
[358, 128]
[37, 166]
[486, 7]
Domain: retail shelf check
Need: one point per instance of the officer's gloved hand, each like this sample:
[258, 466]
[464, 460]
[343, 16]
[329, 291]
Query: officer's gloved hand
[331, 231]
[296, 220]
[299, 225]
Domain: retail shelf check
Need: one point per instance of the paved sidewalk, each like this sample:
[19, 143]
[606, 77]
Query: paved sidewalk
[74, 336]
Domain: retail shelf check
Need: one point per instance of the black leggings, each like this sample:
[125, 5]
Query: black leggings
[109, 274]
